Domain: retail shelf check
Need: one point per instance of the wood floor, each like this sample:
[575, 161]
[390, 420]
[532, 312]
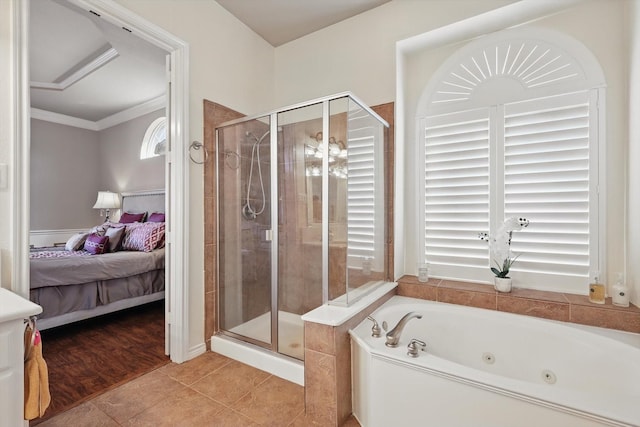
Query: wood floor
[91, 357]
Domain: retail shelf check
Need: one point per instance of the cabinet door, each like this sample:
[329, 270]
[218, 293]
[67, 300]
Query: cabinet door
[11, 373]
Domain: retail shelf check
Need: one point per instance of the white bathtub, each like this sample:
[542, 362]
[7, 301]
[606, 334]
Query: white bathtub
[488, 368]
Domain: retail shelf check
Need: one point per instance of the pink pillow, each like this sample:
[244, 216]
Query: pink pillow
[156, 217]
[143, 237]
[96, 244]
[128, 217]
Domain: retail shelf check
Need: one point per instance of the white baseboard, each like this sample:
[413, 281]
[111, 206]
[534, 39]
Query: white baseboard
[197, 350]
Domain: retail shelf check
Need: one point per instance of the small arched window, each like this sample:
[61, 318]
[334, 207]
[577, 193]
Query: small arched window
[154, 143]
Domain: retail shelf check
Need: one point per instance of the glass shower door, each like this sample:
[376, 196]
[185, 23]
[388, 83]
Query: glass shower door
[300, 224]
[245, 254]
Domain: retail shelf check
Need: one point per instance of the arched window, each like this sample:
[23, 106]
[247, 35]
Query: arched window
[509, 126]
[154, 142]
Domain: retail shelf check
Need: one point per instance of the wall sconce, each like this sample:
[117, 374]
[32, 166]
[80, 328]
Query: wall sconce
[106, 201]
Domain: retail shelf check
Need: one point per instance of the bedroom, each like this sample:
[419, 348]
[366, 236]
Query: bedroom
[237, 86]
[97, 123]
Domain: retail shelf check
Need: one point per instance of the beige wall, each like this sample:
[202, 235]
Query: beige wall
[358, 55]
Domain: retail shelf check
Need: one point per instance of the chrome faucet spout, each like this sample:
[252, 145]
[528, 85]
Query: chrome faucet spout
[393, 336]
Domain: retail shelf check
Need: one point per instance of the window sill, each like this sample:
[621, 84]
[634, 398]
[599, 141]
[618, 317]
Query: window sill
[548, 305]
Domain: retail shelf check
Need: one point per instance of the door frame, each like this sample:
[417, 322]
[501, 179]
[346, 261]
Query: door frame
[177, 191]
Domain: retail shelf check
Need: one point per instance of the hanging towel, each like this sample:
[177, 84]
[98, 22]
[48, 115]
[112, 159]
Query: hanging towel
[36, 375]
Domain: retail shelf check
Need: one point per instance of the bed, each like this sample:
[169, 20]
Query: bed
[73, 285]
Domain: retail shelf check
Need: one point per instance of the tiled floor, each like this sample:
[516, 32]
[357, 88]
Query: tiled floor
[210, 390]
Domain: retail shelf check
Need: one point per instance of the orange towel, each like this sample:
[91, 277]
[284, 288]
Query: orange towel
[36, 376]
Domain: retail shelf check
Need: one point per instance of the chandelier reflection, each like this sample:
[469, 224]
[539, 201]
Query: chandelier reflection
[314, 153]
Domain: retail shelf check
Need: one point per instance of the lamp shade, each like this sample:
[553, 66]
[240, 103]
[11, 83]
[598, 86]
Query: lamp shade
[107, 200]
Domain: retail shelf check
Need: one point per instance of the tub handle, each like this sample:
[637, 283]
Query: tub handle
[414, 346]
[375, 329]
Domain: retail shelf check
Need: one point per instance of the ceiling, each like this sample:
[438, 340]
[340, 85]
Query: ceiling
[83, 67]
[281, 21]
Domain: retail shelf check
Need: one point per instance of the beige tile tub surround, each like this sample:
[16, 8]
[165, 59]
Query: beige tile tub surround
[548, 305]
[327, 369]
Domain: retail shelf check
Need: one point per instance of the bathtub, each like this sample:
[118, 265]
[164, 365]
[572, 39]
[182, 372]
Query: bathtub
[489, 368]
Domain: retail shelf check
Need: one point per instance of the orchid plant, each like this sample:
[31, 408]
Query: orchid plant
[500, 245]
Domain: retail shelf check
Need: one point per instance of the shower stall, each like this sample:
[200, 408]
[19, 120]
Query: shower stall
[301, 217]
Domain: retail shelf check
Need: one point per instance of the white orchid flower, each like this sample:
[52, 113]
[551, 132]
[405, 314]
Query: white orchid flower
[500, 244]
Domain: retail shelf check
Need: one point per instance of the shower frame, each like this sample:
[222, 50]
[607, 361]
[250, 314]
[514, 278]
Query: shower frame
[274, 199]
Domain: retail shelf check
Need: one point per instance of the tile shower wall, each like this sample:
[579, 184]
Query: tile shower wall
[300, 268]
[214, 114]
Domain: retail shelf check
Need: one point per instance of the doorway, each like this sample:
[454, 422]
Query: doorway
[177, 185]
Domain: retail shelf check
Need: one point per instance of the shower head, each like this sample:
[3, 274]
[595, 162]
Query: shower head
[251, 135]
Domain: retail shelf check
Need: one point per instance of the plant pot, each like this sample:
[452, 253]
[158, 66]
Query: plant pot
[502, 284]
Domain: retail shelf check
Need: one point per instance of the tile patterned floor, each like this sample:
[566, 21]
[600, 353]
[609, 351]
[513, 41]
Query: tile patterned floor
[210, 390]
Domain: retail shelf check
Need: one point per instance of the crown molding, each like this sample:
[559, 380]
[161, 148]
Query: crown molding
[113, 120]
[80, 70]
[133, 112]
[50, 116]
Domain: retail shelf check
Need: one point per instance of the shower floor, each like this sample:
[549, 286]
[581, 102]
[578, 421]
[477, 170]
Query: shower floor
[290, 332]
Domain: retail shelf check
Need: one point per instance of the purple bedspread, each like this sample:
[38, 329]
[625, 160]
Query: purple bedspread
[76, 269]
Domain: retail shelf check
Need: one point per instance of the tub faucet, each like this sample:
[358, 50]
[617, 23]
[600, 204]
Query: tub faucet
[393, 336]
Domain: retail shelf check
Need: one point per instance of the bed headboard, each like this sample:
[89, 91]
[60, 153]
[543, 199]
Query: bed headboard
[143, 201]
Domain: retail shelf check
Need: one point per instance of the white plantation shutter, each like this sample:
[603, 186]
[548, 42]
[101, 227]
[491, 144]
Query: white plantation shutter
[535, 159]
[365, 190]
[456, 195]
[547, 158]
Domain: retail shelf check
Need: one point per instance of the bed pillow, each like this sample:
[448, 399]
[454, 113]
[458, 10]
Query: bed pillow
[99, 229]
[76, 242]
[96, 244]
[143, 237]
[129, 217]
[156, 217]
[115, 235]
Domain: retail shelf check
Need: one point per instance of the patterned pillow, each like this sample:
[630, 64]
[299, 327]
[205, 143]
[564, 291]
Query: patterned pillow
[96, 244]
[76, 242]
[129, 217]
[143, 237]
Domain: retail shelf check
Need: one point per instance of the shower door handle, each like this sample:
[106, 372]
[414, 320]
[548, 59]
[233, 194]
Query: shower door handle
[268, 235]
